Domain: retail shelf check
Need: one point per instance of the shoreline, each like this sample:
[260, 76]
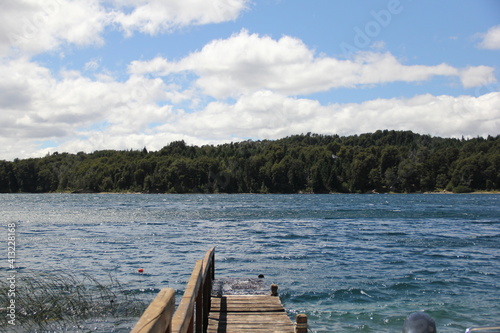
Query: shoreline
[297, 193]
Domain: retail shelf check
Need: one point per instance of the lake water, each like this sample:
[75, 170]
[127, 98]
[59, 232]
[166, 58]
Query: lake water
[352, 263]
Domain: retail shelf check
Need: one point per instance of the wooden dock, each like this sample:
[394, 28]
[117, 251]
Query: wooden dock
[248, 313]
[201, 312]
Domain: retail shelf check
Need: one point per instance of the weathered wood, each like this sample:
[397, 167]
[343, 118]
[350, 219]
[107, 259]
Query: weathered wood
[251, 330]
[248, 314]
[238, 286]
[250, 321]
[251, 303]
[274, 290]
[301, 320]
[278, 318]
[199, 312]
[158, 315]
[209, 264]
[248, 298]
[183, 320]
[192, 312]
[208, 277]
[244, 316]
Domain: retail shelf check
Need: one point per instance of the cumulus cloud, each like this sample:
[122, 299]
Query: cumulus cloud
[265, 114]
[237, 88]
[33, 26]
[30, 27]
[43, 112]
[157, 16]
[477, 76]
[36, 106]
[491, 39]
[269, 115]
[244, 63]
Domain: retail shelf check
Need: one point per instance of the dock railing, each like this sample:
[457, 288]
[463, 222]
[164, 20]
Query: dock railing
[191, 315]
[490, 329]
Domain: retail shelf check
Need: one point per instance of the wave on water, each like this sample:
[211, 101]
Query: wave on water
[352, 263]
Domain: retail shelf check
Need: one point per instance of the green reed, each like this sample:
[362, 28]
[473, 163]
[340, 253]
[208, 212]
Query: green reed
[60, 300]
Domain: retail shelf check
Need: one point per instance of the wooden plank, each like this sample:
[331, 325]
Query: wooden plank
[250, 330]
[250, 327]
[270, 300]
[248, 298]
[243, 317]
[248, 314]
[158, 315]
[208, 276]
[247, 308]
[251, 303]
[183, 319]
[208, 263]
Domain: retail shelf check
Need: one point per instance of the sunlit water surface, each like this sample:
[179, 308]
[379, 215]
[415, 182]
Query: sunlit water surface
[352, 263]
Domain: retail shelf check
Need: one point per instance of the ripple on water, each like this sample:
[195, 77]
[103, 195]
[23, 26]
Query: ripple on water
[352, 263]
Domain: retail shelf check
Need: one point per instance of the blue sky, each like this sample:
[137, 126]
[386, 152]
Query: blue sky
[127, 74]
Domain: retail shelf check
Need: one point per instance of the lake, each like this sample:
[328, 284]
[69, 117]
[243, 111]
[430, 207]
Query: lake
[352, 263]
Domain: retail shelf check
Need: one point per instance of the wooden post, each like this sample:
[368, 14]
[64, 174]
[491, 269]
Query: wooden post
[207, 294]
[208, 276]
[274, 290]
[199, 311]
[212, 269]
[301, 320]
[191, 326]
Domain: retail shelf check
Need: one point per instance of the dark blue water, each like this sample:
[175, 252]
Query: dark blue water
[352, 263]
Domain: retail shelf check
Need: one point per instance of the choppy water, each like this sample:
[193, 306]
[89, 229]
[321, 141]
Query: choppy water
[353, 263]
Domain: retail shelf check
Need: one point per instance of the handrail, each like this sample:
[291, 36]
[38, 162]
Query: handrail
[477, 329]
[191, 315]
[183, 321]
[208, 277]
[209, 264]
[158, 315]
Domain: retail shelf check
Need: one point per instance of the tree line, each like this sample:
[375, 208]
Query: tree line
[384, 161]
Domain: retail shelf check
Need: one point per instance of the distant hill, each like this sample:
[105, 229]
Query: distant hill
[384, 161]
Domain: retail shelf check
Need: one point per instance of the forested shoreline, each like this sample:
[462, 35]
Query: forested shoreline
[384, 161]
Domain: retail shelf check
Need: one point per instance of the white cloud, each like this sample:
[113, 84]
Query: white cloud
[157, 16]
[33, 26]
[74, 113]
[264, 114]
[267, 115]
[477, 76]
[245, 63]
[491, 39]
[36, 106]
[29, 27]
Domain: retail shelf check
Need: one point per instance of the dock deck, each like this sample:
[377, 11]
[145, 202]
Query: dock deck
[218, 306]
[248, 313]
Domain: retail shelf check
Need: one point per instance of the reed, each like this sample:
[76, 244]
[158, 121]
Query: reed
[57, 301]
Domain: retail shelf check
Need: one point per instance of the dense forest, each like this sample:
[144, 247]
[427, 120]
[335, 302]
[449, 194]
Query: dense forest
[384, 161]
